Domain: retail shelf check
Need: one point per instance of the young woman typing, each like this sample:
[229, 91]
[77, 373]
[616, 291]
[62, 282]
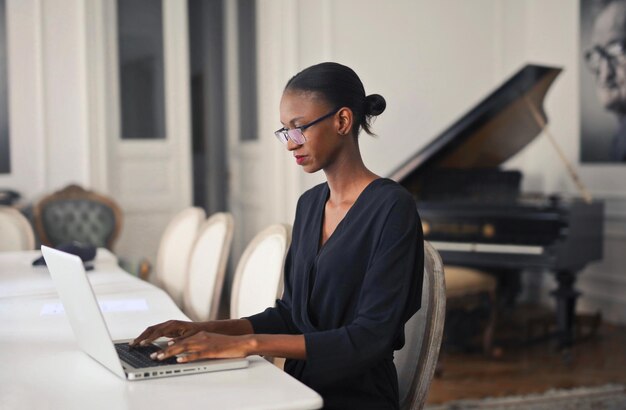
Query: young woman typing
[353, 273]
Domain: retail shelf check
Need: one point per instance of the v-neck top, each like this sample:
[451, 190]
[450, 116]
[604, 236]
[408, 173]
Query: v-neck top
[351, 296]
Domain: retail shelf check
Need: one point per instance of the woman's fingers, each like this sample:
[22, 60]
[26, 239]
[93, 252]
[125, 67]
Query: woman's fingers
[190, 358]
[182, 336]
[195, 343]
[203, 345]
[146, 336]
[173, 350]
[171, 328]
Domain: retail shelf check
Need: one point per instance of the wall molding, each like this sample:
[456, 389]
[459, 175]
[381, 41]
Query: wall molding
[25, 99]
[95, 40]
[596, 275]
[603, 284]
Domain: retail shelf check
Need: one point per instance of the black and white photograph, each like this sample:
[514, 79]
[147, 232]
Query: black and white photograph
[603, 81]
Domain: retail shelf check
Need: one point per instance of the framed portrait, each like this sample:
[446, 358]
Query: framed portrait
[603, 81]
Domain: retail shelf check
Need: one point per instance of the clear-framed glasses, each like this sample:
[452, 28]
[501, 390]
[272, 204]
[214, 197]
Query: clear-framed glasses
[614, 53]
[296, 134]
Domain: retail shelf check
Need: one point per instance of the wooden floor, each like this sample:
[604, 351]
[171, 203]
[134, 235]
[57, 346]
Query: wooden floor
[525, 368]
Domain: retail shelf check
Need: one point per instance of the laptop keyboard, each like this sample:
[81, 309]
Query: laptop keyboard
[139, 357]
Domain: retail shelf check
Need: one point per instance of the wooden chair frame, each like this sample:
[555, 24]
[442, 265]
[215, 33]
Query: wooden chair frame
[70, 192]
[430, 341]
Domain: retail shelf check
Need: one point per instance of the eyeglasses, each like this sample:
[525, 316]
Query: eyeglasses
[613, 53]
[296, 134]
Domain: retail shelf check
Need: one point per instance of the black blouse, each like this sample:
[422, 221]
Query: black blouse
[351, 297]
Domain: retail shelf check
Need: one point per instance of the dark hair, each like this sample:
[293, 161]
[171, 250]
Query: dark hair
[340, 87]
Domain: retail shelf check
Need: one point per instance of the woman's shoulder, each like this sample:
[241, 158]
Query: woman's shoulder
[389, 190]
[313, 195]
[315, 192]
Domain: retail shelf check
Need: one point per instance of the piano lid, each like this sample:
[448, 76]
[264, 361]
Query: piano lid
[494, 131]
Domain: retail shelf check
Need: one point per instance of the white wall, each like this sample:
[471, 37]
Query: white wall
[48, 139]
[47, 96]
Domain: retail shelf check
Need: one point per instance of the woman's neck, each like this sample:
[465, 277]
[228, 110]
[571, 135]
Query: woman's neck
[347, 180]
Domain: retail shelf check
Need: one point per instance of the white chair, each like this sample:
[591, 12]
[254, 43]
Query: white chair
[258, 278]
[207, 267]
[417, 360]
[16, 233]
[174, 250]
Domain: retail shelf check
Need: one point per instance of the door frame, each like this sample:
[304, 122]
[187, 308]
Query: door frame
[123, 168]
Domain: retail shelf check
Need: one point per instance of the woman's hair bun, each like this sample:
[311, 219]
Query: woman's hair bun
[375, 104]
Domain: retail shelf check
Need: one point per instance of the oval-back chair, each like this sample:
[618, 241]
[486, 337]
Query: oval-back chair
[258, 278]
[417, 360]
[174, 250]
[16, 233]
[207, 267]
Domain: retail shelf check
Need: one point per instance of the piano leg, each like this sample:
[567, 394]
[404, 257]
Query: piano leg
[566, 297]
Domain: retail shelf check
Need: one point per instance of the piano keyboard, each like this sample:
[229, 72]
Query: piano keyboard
[488, 248]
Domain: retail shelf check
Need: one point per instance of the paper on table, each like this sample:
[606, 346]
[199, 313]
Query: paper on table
[118, 305]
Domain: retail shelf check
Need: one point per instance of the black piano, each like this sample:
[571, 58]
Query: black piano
[474, 212]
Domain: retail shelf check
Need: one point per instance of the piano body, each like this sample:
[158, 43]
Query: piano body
[473, 212]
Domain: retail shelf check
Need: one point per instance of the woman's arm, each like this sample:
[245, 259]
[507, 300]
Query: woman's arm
[286, 346]
[204, 345]
[232, 327]
[178, 329]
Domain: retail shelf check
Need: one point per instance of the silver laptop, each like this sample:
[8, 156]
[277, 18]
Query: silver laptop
[92, 334]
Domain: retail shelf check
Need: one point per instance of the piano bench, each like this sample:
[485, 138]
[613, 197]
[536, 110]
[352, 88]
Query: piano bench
[466, 288]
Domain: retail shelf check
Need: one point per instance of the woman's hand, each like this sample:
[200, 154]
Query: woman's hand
[175, 329]
[204, 345]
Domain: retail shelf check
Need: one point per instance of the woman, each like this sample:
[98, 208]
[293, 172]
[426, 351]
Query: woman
[353, 273]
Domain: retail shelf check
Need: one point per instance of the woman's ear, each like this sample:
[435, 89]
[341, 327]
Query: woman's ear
[345, 117]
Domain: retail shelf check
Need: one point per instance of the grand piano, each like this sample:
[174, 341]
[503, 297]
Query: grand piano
[473, 211]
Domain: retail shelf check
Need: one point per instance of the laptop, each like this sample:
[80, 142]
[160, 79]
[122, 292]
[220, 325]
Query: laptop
[92, 334]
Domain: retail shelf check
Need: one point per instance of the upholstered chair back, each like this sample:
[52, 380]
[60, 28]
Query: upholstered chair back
[75, 214]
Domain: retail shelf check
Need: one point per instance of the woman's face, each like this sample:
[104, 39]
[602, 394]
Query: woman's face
[610, 28]
[299, 108]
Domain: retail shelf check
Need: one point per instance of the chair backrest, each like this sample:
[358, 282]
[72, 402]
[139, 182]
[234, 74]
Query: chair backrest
[417, 360]
[16, 233]
[258, 278]
[174, 250]
[76, 214]
[207, 267]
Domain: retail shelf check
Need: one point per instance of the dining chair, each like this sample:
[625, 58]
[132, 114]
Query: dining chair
[76, 214]
[258, 279]
[417, 360]
[207, 267]
[16, 233]
[174, 250]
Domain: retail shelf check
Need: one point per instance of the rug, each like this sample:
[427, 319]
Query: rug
[606, 397]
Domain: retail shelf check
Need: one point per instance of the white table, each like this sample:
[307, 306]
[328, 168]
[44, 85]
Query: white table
[41, 366]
